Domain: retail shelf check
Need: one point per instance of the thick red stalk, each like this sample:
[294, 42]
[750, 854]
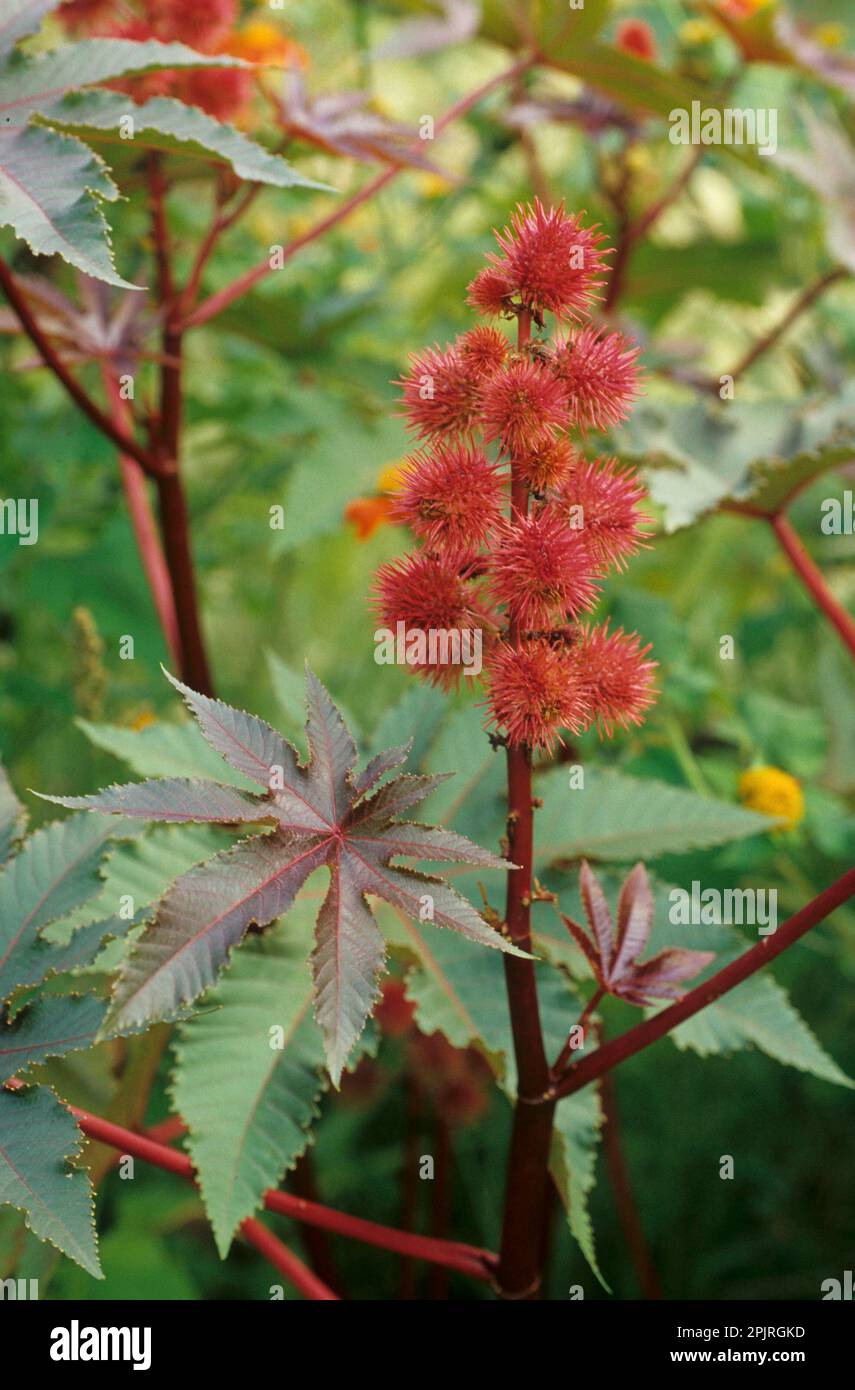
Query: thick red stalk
[526, 1189]
[216, 303]
[174, 517]
[813, 580]
[618, 1050]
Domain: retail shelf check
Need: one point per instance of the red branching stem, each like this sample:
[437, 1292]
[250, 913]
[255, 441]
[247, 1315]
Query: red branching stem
[526, 1189]
[805, 301]
[272, 1248]
[567, 1050]
[174, 517]
[90, 408]
[812, 578]
[145, 528]
[619, 1049]
[216, 303]
[465, 1259]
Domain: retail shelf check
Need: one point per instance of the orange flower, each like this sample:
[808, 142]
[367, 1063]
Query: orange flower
[260, 42]
[367, 514]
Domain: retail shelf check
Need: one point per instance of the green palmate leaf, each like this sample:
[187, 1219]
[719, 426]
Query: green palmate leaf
[50, 1027]
[325, 813]
[161, 749]
[56, 871]
[38, 1137]
[37, 82]
[248, 1074]
[575, 1143]
[620, 818]
[51, 187]
[758, 1013]
[166, 124]
[12, 817]
[697, 458]
[21, 18]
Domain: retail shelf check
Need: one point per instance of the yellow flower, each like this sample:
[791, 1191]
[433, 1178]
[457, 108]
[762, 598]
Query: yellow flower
[830, 35]
[143, 720]
[697, 31]
[773, 792]
[389, 478]
[260, 42]
[434, 185]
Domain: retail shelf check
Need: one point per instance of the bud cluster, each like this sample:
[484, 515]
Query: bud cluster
[517, 529]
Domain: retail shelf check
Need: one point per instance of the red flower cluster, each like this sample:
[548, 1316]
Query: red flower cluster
[205, 25]
[517, 529]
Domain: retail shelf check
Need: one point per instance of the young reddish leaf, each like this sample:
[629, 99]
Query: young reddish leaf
[634, 918]
[613, 955]
[598, 914]
[324, 818]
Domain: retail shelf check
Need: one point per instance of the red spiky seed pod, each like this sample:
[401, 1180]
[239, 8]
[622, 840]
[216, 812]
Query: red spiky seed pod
[550, 263]
[522, 406]
[440, 394]
[617, 675]
[604, 501]
[547, 464]
[599, 374]
[535, 691]
[451, 497]
[429, 595]
[491, 290]
[483, 348]
[541, 570]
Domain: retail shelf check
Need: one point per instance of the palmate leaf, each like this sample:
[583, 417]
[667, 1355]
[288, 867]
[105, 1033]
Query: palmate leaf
[57, 870]
[613, 951]
[12, 817]
[249, 1072]
[169, 125]
[50, 1027]
[38, 1137]
[620, 818]
[324, 813]
[52, 185]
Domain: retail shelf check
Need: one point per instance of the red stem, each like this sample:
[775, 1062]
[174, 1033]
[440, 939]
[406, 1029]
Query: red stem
[526, 1190]
[145, 528]
[287, 1262]
[466, 1259]
[216, 303]
[123, 441]
[174, 517]
[567, 1050]
[813, 581]
[612, 1053]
